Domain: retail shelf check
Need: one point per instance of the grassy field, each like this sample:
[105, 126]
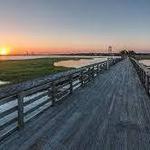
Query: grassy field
[22, 70]
[139, 57]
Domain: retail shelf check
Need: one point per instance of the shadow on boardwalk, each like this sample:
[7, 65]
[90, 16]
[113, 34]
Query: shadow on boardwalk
[110, 113]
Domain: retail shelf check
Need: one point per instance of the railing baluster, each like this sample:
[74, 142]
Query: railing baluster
[143, 74]
[93, 72]
[82, 78]
[147, 84]
[20, 110]
[71, 83]
[89, 73]
[53, 93]
[97, 67]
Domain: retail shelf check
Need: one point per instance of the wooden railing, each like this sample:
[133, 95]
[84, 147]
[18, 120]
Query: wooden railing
[17, 108]
[143, 73]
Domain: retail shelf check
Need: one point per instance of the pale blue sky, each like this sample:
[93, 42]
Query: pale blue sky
[75, 24]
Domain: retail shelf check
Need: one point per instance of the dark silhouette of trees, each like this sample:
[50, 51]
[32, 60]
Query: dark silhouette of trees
[125, 53]
[131, 53]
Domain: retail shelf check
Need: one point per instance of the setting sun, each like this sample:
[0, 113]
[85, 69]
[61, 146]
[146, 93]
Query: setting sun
[4, 51]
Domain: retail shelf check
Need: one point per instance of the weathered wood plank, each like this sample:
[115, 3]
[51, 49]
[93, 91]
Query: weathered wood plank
[2, 127]
[20, 110]
[9, 111]
[36, 107]
[35, 99]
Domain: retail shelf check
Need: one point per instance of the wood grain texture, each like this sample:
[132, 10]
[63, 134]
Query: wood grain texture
[111, 113]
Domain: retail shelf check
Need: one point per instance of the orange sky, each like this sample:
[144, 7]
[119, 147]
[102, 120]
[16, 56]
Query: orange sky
[20, 45]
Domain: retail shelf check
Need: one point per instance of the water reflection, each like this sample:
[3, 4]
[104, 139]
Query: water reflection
[78, 63]
[145, 62]
[2, 58]
[3, 82]
[20, 57]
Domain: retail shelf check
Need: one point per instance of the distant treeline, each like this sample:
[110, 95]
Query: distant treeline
[142, 56]
[121, 53]
[92, 54]
[71, 54]
[136, 55]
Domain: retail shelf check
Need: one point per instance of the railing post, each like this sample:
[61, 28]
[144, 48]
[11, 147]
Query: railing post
[147, 84]
[71, 83]
[143, 75]
[53, 93]
[81, 78]
[89, 73]
[97, 66]
[103, 66]
[114, 61]
[107, 64]
[20, 110]
[93, 72]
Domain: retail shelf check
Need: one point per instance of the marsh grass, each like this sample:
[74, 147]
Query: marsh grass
[22, 70]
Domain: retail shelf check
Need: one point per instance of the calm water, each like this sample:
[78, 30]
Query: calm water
[20, 57]
[79, 63]
[3, 82]
[145, 62]
[35, 57]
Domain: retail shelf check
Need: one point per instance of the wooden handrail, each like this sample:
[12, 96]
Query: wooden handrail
[143, 73]
[33, 100]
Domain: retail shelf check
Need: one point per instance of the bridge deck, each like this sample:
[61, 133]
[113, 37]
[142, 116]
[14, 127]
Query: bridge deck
[110, 113]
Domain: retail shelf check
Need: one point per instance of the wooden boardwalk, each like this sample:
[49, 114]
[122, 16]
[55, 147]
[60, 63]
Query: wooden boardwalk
[111, 113]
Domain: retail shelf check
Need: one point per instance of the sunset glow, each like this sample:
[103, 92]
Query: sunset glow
[4, 51]
[76, 26]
